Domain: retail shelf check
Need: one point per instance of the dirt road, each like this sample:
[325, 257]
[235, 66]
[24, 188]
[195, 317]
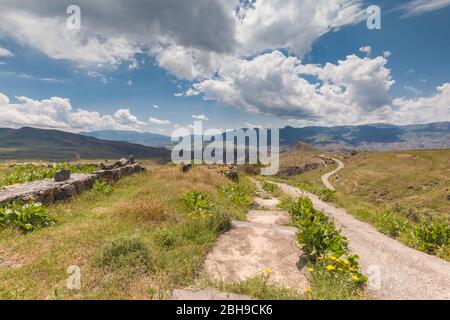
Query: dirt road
[325, 178]
[395, 271]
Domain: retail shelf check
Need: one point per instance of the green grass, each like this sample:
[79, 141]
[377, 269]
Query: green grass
[403, 194]
[142, 223]
[259, 287]
[411, 180]
[23, 173]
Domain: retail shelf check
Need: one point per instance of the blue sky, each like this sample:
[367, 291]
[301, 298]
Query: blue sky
[148, 83]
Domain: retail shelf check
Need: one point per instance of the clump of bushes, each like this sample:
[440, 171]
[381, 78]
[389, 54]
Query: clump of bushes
[432, 236]
[26, 217]
[326, 250]
[317, 236]
[197, 202]
[130, 254]
[268, 186]
[236, 194]
[428, 235]
[327, 195]
[390, 224]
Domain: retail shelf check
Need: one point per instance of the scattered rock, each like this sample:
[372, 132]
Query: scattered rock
[296, 170]
[62, 175]
[232, 174]
[186, 168]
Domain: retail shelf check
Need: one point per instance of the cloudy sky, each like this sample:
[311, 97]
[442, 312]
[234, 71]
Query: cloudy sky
[155, 65]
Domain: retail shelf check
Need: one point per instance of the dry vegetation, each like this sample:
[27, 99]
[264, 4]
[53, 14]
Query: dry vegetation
[418, 180]
[136, 241]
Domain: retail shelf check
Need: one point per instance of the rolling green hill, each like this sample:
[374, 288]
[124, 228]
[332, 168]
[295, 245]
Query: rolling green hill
[54, 145]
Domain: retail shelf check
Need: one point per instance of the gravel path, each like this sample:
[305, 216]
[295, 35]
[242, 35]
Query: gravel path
[325, 178]
[395, 271]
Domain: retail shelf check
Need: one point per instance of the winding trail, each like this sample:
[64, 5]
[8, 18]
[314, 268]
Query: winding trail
[396, 272]
[325, 178]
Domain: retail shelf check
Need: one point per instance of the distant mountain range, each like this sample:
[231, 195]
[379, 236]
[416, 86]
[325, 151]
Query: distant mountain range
[31, 143]
[377, 137]
[145, 138]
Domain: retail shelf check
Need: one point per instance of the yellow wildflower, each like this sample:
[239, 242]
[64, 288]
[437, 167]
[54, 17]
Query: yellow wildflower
[355, 277]
[331, 267]
[310, 269]
[346, 262]
[341, 270]
[308, 290]
[268, 271]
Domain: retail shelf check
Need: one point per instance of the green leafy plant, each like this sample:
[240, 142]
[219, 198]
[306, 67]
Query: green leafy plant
[102, 187]
[317, 235]
[269, 186]
[197, 202]
[236, 194]
[327, 253]
[430, 236]
[391, 224]
[327, 195]
[26, 217]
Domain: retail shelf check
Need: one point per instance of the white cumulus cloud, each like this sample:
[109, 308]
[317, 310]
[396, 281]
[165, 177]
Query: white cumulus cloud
[158, 122]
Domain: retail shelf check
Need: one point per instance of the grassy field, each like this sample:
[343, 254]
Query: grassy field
[416, 180]
[145, 236]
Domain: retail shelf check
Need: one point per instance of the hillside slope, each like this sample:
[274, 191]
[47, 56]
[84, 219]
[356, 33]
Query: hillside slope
[410, 181]
[31, 143]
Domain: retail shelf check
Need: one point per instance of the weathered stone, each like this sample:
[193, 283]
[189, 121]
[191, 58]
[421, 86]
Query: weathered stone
[49, 191]
[62, 175]
[186, 168]
[45, 191]
[69, 190]
[296, 170]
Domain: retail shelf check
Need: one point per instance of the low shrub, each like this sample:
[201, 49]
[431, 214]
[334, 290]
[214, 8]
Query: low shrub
[391, 224]
[317, 236]
[26, 217]
[166, 238]
[327, 253]
[102, 187]
[131, 254]
[236, 194]
[337, 279]
[327, 195]
[430, 236]
[197, 202]
[268, 186]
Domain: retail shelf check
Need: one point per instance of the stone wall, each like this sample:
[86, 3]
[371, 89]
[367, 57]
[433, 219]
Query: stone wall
[49, 191]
